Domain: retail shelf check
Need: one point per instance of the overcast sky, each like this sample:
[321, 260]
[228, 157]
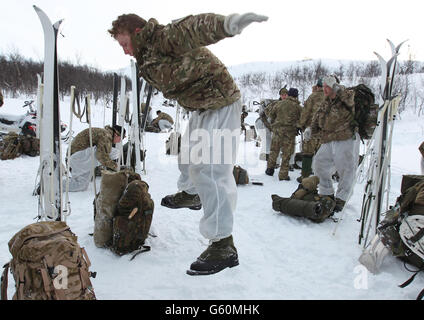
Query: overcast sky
[317, 29]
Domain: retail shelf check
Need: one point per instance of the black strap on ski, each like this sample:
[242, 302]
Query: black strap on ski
[146, 109]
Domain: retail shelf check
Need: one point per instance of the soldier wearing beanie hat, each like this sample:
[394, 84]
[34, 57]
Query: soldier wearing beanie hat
[283, 91]
[339, 142]
[293, 92]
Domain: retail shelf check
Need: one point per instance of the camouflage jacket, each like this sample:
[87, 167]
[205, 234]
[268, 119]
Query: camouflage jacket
[310, 107]
[102, 139]
[333, 119]
[173, 58]
[162, 116]
[285, 114]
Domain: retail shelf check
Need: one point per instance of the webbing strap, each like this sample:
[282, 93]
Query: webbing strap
[4, 281]
[144, 249]
[46, 282]
[417, 236]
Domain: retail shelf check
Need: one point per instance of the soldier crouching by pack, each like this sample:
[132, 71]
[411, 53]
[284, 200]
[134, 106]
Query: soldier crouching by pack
[339, 143]
[80, 160]
[163, 121]
[173, 58]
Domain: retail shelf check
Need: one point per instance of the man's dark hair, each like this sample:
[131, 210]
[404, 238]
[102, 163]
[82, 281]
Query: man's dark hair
[118, 129]
[126, 23]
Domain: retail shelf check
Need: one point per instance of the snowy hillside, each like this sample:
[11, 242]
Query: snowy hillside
[280, 257]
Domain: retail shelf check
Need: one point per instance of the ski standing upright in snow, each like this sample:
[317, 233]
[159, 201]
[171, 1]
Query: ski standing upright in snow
[379, 150]
[50, 170]
[138, 121]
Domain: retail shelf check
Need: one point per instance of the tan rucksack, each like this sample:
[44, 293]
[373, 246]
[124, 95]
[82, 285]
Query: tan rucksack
[30, 145]
[240, 175]
[124, 212]
[10, 147]
[48, 264]
[133, 218]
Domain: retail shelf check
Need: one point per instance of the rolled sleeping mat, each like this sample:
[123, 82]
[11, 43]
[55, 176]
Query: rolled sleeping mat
[295, 207]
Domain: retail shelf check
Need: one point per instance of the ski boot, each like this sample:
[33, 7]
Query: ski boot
[182, 200]
[270, 171]
[218, 256]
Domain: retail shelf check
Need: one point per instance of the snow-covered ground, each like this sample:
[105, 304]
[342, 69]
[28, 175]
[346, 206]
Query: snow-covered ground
[281, 257]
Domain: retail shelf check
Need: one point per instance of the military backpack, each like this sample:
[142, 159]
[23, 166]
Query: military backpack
[123, 212]
[366, 111]
[133, 218]
[10, 147]
[240, 175]
[14, 145]
[48, 264]
[408, 205]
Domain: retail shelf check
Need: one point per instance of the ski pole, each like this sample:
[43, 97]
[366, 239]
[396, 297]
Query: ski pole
[88, 105]
[67, 211]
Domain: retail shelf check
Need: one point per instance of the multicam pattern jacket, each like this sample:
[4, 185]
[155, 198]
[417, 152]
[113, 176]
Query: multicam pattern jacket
[285, 114]
[173, 58]
[102, 139]
[162, 116]
[333, 119]
[310, 107]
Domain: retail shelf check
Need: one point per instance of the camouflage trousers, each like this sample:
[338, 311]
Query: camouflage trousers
[310, 147]
[285, 142]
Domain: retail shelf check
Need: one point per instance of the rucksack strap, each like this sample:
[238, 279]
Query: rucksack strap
[421, 295]
[417, 236]
[4, 282]
[143, 249]
[409, 281]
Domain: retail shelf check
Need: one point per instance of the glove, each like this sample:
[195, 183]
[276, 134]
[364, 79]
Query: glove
[307, 134]
[235, 23]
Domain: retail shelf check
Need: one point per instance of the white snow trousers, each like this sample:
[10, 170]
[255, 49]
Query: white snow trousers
[265, 136]
[344, 157]
[164, 124]
[209, 149]
[80, 163]
[422, 165]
